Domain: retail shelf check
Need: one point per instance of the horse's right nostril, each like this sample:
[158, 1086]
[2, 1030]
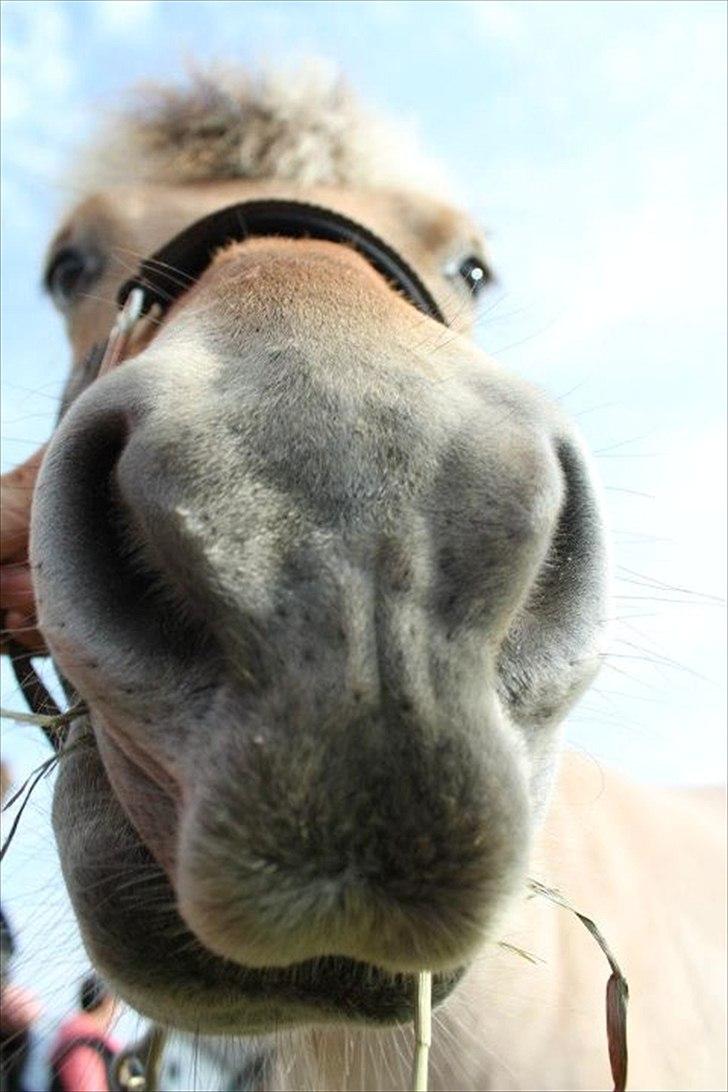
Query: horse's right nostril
[100, 594]
[74, 514]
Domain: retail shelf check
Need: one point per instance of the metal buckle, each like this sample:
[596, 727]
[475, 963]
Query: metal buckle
[122, 330]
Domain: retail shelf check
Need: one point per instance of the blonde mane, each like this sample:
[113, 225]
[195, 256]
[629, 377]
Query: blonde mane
[303, 126]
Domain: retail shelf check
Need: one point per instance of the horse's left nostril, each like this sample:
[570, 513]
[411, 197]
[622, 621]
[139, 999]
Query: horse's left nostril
[580, 527]
[574, 567]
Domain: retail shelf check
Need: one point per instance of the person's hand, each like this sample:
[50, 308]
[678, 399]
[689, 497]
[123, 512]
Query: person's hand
[20, 1008]
[17, 604]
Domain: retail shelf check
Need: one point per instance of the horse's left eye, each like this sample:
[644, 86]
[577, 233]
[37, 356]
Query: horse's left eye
[475, 273]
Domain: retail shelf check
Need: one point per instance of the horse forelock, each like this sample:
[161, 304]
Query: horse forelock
[298, 125]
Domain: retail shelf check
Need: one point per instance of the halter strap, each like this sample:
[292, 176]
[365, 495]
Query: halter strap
[173, 269]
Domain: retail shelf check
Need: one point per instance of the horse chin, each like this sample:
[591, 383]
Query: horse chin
[126, 907]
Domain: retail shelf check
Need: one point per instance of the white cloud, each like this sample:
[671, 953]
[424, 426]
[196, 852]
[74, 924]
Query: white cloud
[673, 579]
[674, 61]
[36, 58]
[690, 492]
[655, 263]
[658, 706]
[496, 20]
[40, 104]
[123, 16]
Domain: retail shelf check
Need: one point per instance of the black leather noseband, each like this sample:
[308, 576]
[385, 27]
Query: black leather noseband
[174, 268]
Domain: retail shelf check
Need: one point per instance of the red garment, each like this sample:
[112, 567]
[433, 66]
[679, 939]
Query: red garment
[82, 1069]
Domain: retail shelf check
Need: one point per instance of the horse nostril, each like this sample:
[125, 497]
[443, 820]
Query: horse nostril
[98, 583]
[579, 535]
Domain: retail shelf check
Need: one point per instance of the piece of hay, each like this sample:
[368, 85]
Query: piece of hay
[423, 1031]
[39, 773]
[519, 951]
[617, 990]
[54, 722]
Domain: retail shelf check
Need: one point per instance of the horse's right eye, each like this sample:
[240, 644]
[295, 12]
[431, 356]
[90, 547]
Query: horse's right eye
[71, 271]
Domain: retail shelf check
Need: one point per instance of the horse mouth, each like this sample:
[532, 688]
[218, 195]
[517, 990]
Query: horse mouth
[232, 999]
[331, 989]
[131, 926]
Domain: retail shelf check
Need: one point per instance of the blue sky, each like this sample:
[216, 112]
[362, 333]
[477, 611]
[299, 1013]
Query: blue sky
[590, 140]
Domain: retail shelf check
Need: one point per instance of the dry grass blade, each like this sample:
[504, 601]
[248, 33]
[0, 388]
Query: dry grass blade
[423, 1031]
[30, 783]
[52, 725]
[617, 990]
[519, 951]
[54, 722]
[33, 780]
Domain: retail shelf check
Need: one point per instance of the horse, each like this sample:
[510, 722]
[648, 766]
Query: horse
[328, 580]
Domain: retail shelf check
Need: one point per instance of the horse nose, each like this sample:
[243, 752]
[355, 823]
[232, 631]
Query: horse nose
[388, 838]
[341, 555]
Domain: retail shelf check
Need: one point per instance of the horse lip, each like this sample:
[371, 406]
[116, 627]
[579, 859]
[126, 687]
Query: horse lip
[325, 990]
[194, 981]
[331, 983]
[124, 758]
[297, 983]
[139, 757]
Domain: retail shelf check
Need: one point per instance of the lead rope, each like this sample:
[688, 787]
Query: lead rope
[136, 1069]
[36, 694]
[34, 691]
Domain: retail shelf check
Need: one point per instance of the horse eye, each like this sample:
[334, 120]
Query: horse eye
[475, 273]
[71, 271]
